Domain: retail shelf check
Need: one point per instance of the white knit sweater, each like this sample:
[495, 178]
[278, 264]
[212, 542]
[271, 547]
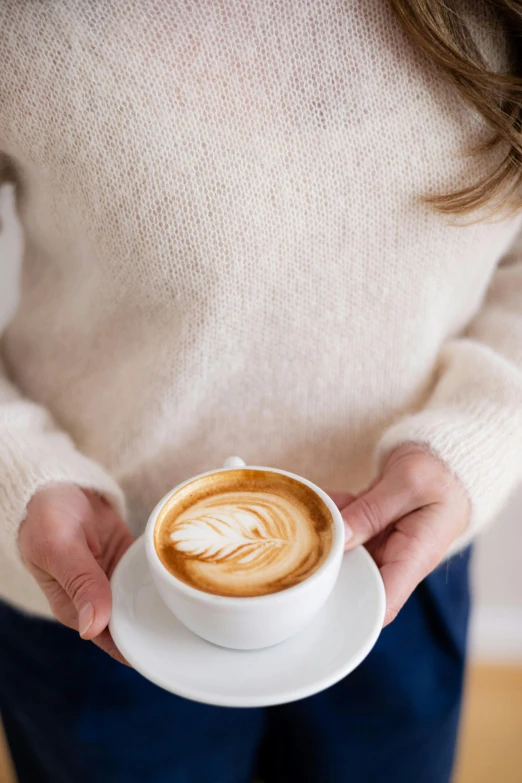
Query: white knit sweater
[226, 253]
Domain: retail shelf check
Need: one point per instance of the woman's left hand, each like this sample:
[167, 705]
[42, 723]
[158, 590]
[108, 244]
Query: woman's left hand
[407, 519]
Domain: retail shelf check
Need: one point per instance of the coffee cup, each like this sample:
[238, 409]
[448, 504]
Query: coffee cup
[245, 556]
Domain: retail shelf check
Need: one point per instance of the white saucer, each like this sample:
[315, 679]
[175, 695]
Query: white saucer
[168, 654]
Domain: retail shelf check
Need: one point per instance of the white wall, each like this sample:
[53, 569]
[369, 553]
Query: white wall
[10, 248]
[497, 622]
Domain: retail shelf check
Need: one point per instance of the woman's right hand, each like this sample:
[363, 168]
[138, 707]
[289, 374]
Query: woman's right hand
[70, 542]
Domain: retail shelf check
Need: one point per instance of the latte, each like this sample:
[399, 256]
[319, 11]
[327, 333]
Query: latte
[243, 533]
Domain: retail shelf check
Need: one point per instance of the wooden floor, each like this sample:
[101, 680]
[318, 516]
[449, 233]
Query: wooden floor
[6, 771]
[491, 741]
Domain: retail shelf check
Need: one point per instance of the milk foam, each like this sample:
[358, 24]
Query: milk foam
[228, 531]
[259, 534]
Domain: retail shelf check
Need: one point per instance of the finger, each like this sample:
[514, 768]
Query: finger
[72, 564]
[61, 605]
[65, 611]
[98, 536]
[409, 553]
[106, 643]
[341, 499]
[400, 491]
[113, 536]
[114, 549]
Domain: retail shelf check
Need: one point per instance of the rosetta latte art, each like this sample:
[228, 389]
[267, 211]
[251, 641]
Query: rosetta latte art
[247, 534]
[238, 542]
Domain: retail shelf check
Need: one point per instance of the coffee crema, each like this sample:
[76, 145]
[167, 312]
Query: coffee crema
[243, 533]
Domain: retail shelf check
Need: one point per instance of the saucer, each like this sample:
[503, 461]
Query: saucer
[332, 645]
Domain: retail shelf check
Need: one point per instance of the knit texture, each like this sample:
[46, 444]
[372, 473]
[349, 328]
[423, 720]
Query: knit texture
[226, 252]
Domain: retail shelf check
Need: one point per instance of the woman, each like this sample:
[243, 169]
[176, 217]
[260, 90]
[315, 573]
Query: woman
[254, 228]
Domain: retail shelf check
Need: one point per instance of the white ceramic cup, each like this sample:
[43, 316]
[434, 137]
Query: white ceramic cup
[247, 623]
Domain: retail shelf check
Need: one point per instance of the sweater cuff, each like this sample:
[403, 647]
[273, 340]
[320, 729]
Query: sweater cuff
[27, 465]
[480, 446]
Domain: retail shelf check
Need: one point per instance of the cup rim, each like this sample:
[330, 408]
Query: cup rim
[335, 553]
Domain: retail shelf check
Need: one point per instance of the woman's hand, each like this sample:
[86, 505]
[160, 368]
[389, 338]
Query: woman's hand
[407, 519]
[70, 541]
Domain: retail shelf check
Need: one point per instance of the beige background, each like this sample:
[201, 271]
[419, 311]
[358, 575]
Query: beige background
[497, 622]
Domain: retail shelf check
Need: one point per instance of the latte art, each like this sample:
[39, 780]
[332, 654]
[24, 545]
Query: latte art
[237, 530]
[252, 536]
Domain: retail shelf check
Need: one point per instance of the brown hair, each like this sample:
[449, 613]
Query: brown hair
[441, 30]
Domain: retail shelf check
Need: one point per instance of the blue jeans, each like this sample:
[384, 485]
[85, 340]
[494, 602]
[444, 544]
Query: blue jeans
[73, 715]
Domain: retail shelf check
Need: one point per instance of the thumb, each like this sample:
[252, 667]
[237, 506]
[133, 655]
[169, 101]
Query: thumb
[76, 570]
[386, 501]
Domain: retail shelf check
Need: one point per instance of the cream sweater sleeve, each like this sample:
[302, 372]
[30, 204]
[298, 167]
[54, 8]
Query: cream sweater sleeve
[33, 453]
[473, 418]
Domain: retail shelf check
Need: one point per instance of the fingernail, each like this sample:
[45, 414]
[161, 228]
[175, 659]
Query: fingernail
[348, 532]
[85, 618]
